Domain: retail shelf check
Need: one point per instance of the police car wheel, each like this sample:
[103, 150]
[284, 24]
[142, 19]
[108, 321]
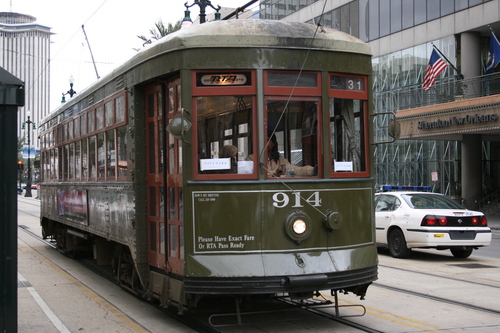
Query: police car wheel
[397, 244]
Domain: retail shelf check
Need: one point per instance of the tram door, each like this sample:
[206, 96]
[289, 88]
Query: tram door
[173, 151]
[164, 179]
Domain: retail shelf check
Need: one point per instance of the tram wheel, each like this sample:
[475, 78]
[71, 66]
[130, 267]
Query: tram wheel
[460, 252]
[397, 244]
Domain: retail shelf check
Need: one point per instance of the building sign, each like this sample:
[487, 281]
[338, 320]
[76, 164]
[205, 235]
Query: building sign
[449, 121]
[457, 121]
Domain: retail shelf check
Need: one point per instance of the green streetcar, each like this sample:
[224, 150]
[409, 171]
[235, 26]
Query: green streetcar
[229, 158]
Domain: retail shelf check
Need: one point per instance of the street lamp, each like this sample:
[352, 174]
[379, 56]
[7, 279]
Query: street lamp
[202, 4]
[30, 125]
[70, 92]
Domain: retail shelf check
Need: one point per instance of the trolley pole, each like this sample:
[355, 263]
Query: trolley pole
[11, 97]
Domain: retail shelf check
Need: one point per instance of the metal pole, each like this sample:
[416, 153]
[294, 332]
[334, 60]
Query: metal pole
[11, 97]
[28, 181]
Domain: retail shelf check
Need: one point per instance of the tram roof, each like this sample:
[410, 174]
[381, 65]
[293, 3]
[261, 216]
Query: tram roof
[263, 33]
[240, 33]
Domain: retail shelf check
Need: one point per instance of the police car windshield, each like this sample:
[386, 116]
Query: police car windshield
[430, 201]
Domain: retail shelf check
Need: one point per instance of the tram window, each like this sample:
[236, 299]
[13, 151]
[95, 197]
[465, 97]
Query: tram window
[99, 118]
[70, 130]
[171, 100]
[283, 79]
[224, 127]
[101, 155]
[55, 163]
[78, 161]
[171, 215]
[71, 161]
[65, 162]
[92, 158]
[161, 162]
[91, 121]
[171, 154]
[109, 112]
[111, 154]
[292, 149]
[151, 147]
[347, 135]
[173, 241]
[162, 237]
[83, 124]
[120, 109]
[122, 151]
[77, 127]
[85, 159]
[181, 204]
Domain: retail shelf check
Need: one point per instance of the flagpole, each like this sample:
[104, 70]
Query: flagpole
[460, 75]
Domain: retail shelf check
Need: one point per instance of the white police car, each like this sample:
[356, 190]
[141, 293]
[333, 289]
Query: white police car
[408, 218]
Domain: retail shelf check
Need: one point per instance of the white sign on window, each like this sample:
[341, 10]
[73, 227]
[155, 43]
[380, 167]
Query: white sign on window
[342, 166]
[215, 164]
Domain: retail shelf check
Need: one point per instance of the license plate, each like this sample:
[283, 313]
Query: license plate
[438, 235]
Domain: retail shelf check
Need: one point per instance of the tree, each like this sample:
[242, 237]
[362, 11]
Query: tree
[160, 31]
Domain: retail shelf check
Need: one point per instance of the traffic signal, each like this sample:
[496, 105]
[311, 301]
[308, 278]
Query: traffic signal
[20, 165]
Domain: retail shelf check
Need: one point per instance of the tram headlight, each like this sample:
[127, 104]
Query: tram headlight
[297, 226]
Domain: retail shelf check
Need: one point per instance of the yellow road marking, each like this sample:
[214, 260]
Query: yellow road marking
[382, 314]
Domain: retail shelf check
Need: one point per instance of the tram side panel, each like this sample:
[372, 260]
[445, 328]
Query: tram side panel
[108, 212]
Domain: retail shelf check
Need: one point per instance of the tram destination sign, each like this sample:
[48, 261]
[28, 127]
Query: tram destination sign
[223, 79]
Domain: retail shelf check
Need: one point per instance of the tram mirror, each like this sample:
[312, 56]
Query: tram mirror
[387, 121]
[394, 129]
[178, 126]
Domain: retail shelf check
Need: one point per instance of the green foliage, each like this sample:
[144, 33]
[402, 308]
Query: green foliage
[159, 31]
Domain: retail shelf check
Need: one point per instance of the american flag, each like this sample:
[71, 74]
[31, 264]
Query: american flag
[435, 67]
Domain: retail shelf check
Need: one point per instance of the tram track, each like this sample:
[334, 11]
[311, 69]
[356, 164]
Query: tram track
[191, 321]
[439, 299]
[188, 321]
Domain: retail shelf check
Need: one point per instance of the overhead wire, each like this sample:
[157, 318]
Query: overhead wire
[28, 89]
[285, 109]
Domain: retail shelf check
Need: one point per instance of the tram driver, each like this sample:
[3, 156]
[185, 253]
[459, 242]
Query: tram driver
[278, 166]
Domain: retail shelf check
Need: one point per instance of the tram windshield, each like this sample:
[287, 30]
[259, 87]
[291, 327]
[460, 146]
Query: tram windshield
[347, 128]
[224, 134]
[292, 138]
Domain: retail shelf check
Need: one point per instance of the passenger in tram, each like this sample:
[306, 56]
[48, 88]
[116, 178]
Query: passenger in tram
[230, 151]
[279, 166]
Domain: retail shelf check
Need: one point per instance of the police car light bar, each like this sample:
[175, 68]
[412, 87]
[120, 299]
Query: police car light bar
[406, 188]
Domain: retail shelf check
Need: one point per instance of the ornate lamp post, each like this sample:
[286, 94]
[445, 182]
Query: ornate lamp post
[202, 4]
[31, 126]
[70, 92]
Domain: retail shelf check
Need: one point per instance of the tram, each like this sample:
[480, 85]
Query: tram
[229, 158]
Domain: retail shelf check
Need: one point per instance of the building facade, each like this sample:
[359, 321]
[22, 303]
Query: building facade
[25, 52]
[462, 160]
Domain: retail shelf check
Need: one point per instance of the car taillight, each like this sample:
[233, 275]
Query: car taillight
[484, 222]
[443, 220]
[428, 220]
[475, 220]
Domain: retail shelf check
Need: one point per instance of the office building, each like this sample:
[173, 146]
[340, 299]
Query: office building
[25, 53]
[449, 133]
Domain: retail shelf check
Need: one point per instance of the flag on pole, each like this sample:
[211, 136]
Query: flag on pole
[434, 68]
[493, 54]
